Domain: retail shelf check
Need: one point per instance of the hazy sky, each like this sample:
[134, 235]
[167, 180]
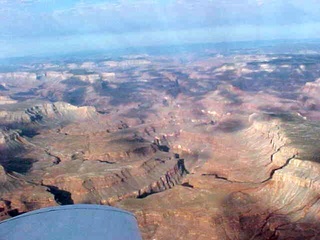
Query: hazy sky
[32, 27]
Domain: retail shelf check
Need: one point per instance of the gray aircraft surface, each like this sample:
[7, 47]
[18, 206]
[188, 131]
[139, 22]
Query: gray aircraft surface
[72, 222]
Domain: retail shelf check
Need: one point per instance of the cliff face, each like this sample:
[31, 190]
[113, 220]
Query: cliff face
[9, 139]
[105, 183]
[19, 195]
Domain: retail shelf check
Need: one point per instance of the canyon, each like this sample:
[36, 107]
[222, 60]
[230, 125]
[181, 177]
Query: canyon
[197, 146]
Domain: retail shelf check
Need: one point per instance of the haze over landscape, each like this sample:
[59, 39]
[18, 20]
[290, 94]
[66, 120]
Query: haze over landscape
[34, 27]
[199, 117]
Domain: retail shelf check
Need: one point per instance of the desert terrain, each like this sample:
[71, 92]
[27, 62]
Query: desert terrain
[210, 145]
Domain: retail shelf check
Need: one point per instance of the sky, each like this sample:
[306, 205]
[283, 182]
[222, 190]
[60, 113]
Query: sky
[44, 27]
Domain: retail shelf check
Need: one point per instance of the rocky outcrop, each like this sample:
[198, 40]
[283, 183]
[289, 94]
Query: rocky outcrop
[55, 75]
[10, 139]
[107, 183]
[90, 78]
[46, 111]
[105, 76]
[21, 76]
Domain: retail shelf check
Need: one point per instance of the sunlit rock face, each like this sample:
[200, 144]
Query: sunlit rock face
[36, 112]
[208, 147]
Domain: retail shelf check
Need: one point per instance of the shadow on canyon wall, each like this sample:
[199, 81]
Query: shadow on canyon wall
[248, 219]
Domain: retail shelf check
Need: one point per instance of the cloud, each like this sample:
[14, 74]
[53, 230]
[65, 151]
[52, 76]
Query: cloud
[32, 17]
[122, 16]
[22, 2]
[53, 19]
